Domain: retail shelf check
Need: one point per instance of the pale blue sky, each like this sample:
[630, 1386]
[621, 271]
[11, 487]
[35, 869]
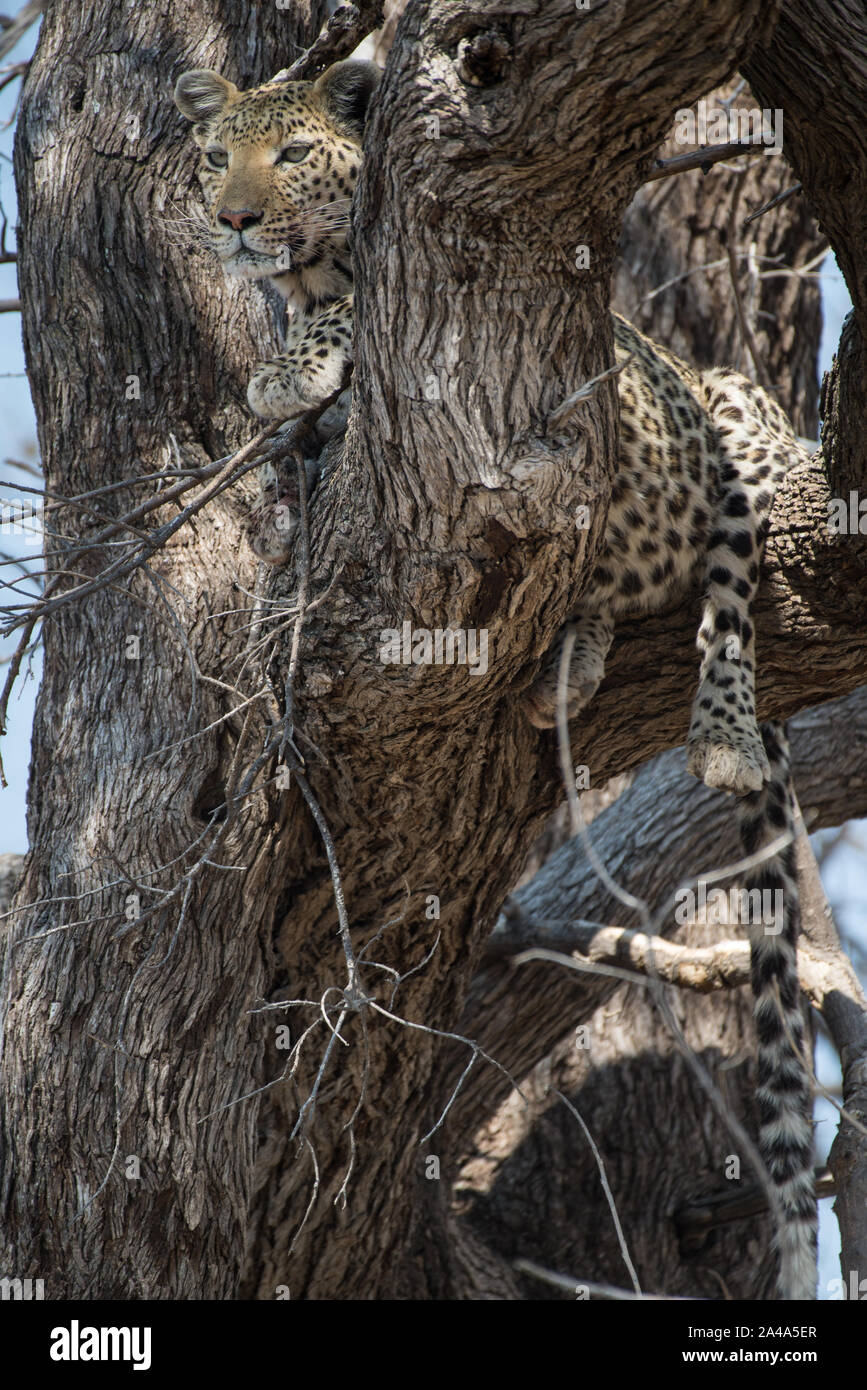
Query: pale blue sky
[18, 441]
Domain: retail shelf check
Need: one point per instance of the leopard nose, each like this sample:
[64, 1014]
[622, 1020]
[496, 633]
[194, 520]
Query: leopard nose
[240, 219]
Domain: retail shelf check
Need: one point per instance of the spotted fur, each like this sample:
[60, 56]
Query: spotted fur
[701, 455]
[784, 1095]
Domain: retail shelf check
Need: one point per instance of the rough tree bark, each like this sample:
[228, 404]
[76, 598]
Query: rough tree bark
[530, 1183]
[452, 511]
[675, 227]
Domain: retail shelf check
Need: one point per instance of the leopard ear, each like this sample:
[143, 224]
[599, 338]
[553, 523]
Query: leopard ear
[345, 90]
[201, 95]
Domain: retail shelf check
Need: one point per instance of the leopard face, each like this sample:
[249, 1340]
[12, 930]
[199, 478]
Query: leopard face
[278, 168]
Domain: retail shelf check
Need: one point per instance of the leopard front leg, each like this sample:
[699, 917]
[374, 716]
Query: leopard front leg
[312, 367]
[594, 634]
[724, 747]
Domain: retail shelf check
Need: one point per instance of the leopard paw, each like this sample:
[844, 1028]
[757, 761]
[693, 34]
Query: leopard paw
[276, 392]
[721, 765]
[540, 701]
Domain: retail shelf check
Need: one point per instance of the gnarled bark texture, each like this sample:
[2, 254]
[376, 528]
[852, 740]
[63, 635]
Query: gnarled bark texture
[451, 503]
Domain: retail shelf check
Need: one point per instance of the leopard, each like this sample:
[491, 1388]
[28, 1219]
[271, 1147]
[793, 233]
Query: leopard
[701, 457]
[278, 168]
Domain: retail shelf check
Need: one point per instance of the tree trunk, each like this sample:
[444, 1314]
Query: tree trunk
[135, 1062]
[128, 347]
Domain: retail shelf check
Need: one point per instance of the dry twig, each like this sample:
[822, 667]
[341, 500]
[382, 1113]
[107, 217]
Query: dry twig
[703, 159]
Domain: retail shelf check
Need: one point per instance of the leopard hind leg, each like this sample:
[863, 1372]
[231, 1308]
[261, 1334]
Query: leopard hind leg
[756, 449]
[594, 633]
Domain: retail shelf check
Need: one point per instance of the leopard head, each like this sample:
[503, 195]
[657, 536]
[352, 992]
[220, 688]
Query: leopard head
[278, 168]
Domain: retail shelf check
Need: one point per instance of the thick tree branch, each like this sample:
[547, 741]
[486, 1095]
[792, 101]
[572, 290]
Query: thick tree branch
[687, 829]
[816, 49]
[633, 955]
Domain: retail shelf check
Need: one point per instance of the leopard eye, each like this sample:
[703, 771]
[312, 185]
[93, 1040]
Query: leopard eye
[293, 154]
[216, 159]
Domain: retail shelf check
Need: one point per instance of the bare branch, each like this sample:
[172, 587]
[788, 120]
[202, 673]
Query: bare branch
[774, 203]
[703, 159]
[17, 27]
[746, 327]
[581, 1288]
[562, 413]
[706, 1214]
